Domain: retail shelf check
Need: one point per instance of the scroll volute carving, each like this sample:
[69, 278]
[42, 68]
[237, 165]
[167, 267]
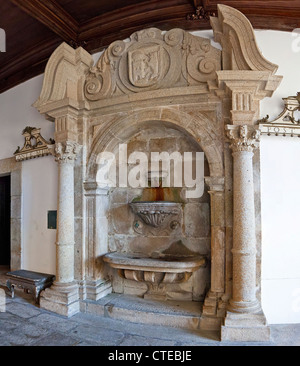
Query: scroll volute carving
[152, 60]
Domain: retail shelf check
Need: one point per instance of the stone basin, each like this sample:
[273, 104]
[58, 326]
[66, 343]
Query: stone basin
[155, 272]
[166, 263]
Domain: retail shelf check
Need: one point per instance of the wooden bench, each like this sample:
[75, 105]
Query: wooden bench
[33, 282]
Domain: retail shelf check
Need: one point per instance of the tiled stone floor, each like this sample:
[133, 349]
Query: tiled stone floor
[22, 323]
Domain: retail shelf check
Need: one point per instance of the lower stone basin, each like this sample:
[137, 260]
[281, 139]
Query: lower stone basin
[155, 272]
[167, 263]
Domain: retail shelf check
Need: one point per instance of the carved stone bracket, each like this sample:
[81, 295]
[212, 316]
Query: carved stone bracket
[35, 145]
[285, 124]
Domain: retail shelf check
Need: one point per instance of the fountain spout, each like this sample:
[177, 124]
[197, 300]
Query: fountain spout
[154, 213]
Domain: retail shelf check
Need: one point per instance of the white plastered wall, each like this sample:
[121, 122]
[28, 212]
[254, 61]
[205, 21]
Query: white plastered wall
[280, 187]
[280, 179]
[39, 176]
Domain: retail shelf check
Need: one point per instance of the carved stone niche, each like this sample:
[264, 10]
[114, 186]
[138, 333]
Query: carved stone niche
[168, 80]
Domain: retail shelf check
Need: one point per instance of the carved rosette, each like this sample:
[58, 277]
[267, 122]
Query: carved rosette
[243, 138]
[152, 60]
[66, 152]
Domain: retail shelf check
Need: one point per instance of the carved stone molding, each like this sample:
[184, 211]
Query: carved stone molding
[35, 145]
[66, 152]
[285, 124]
[215, 183]
[152, 60]
[243, 138]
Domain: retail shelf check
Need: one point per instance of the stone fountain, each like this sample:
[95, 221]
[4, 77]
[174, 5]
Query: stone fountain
[176, 264]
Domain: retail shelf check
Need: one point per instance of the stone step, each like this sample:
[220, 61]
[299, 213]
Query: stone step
[180, 314]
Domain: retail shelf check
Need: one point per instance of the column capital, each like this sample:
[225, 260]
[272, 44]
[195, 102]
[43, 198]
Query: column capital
[243, 138]
[65, 152]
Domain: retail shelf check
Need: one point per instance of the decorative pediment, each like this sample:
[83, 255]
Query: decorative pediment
[35, 145]
[152, 60]
[64, 78]
[286, 123]
[239, 48]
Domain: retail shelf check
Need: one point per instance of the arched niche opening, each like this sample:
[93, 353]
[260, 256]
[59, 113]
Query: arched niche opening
[186, 233]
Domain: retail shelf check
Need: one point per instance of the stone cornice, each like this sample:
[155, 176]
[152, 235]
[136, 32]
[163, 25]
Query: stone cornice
[215, 183]
[259, 83]
[55, 109]
[245, 88]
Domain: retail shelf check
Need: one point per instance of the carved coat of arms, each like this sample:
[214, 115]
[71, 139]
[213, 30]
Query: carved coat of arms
[145, 65]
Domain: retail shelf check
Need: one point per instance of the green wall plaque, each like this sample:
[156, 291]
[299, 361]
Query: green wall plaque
[52, 216]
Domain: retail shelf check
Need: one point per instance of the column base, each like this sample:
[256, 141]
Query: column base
[61, 298]
[96, 289]
[249, 307]
[241, 327]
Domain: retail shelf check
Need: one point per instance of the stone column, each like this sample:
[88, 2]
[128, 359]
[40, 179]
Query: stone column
[63, 296]
[65, 155]
[244, 319]
[244, 237]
